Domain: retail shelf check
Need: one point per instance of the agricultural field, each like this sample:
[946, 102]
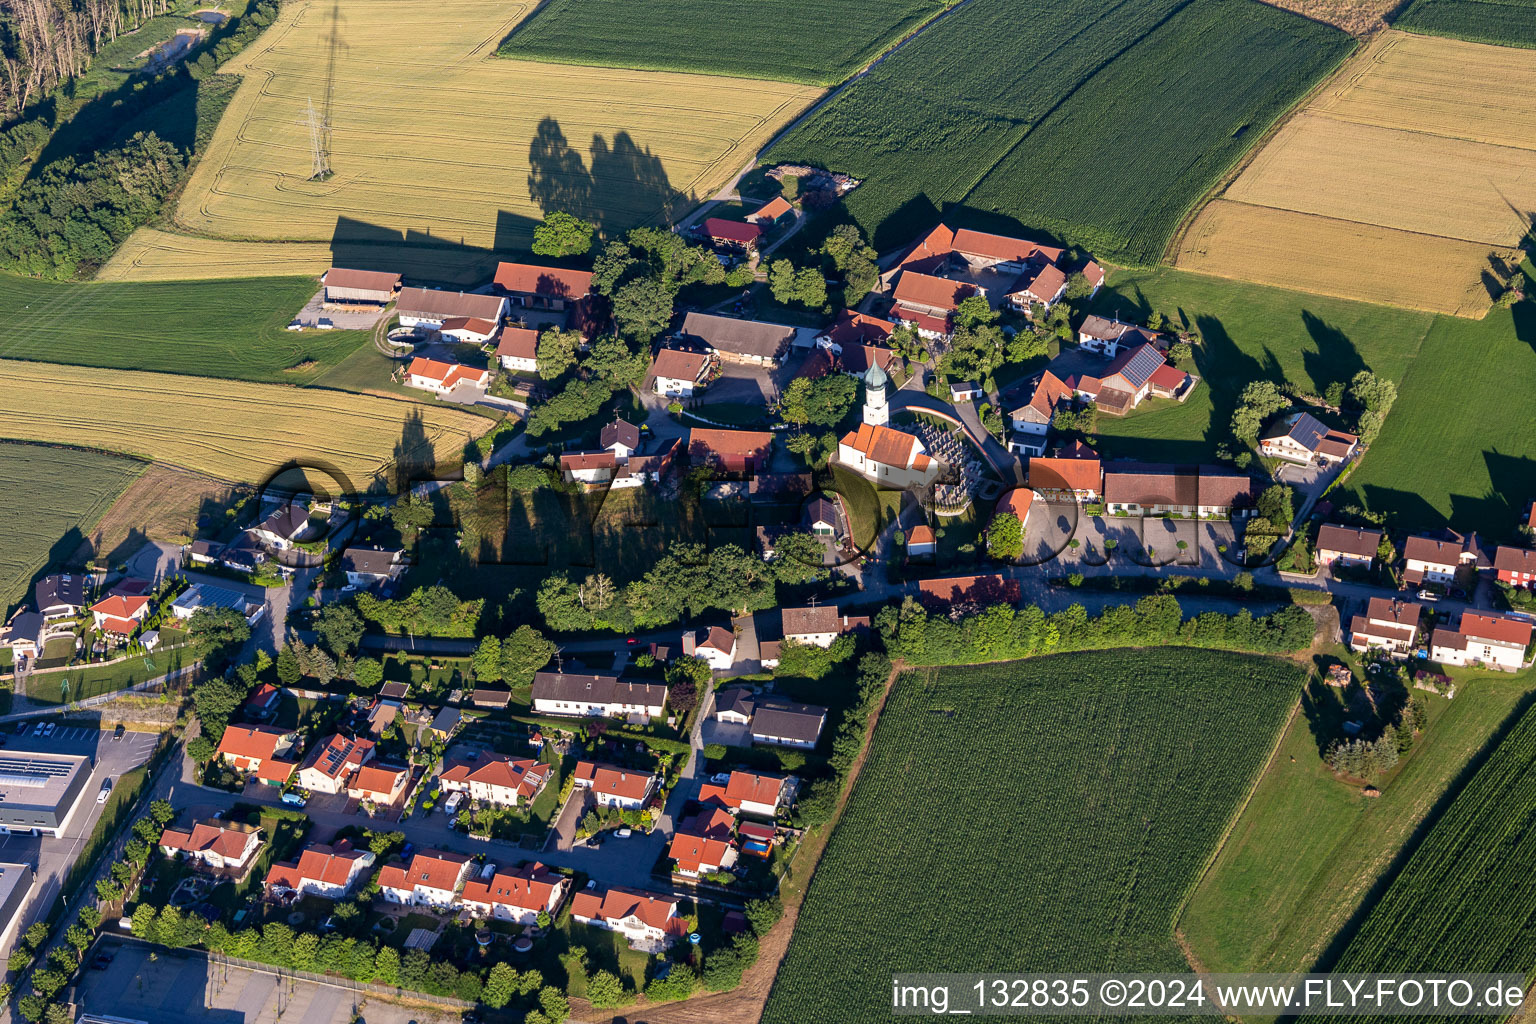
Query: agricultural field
[429, 154]
[1421, 151]
[788, 40]
[1503, 22]
[1471, 465]
[1307, 849]
[1464, 895]
[49, 498]
[232, 430]
[164, 503]
[219, 329]
[1148, 752]
[1178, 109]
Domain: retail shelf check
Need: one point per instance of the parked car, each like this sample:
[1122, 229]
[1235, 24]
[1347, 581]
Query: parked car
[720, 778]
[1428, 595]
[101, 961]
[106, 788]
[117, 733]
[623, 833]
[21, 728]
[296, 797]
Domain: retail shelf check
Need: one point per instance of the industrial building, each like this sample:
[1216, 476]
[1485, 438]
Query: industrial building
[39, 792]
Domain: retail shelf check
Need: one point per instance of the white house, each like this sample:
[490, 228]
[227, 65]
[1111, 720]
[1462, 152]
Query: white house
[204, 595]
[559, 693]
[330, 765]
[818, 626]
[676, 373]
[650, 922]
[120, 614]
[1347, 545]
[1389, 626]
[1489, 640]
[716, 645]
[226, 847]
[1031, 421]
[749, 793]
[624, 788]
[330, 872]
[285, 526]
[496, 779]
[518, 349]
[439, 377]
[60, 596]
[588, 467]
[366, 567]
[431, 879]
[1438, 559]
[1039, 285]
[1107, 337]
[921, 541]
[784, 724]
[1302, 439]
[517, 896]
[429, 307]
[468, 330]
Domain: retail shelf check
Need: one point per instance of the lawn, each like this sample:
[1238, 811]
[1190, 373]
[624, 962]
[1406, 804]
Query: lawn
[1454, 451]
[870, 509]
[50, 498]
[213, 328]
[1121, 770]
[94, 680]
[1246, 332]
[1308, 849]
[789, 40]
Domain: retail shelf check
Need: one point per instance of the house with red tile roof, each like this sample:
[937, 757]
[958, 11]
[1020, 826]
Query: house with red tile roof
[716, 645]
[1040, 285]
[1489, 641]
[1017, 501]
[730, 451]
[496, 778]
[227, 848]
[246, 747]
[330, 766]
[928, 302]
[1515, 566]
[518, 895]
[382, 785]
[650, 922]
[750, 793]
[517, 349]
[263, 701]
[432, 878]
[441, 377]
[330, 872]
[855, 328]
[697, 855]
[611, 786]
[943, 595]
[1388, 625]
[1070, 474]
[595, 467]
[921, 541]
[676, 373]
[120, 615]
[469, 330]
[889, 457]
[771, 212]
[531, 286]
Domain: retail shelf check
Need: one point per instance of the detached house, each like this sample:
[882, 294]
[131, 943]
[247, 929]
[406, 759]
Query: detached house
[716, 645]
[1032, 421]
[382, 785]
[588, 467]
[368, 567]
[1387, 625]
[779, 723]
[1072, 474]
[529, 286]
[441, 377]
[1131, 378]
[648, 921]
[624, 788]
[1347, 545]
[1439, 559]
[431, 879]
[1488, 640]
[496, 779]
[818, 626]
[469, 330]
[60, 596]
[120, 616]
[517, 349]
[1515, 566]
[559, 693]
[247, 747]
[1107, 337]
[675, 373]
[927, 302]
[889, 457]
[330, 872]
[330, 766]
[1301, 438]
[517, 896]
[1039, 285]
[226, 848]
[705, 842]
[286, 526]
[749, 793]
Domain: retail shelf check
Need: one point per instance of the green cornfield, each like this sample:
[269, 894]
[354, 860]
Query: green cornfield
[1502, 22]
[1030, 816]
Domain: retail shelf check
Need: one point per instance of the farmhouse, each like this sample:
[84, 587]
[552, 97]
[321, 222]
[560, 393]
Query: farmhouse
[431, 879]
[1032, 420]
[558, 693]
[429, 307]
[738, 341]
[716, 645]
[330, 872]
[1488, 640]
[886, 456]
[675, 373]
[1389, 626]
[468, 330]
[533, 287]
[517, 349]
[120, 616]
[1157, 489]
[247, 747]
[1301, 438]
[732, 234]
[359, 289]
[641, 469]
[944, 249]
[227, 848]
[60, 596]
[330, 766]
[204, 595]
[369, 567]
[519, 895]
[1515, 566]
[1347, 545]
[854, 328]
[650, 922]
[1072, 474]
[625, 788]
[1040, 285]
[967, 591]
[771, 212]
[496, 779]
[441, 377]
[749, 793]
[928, 302]
[1440, 559]
[1107, 337]
[730, 451]
[1130, 378]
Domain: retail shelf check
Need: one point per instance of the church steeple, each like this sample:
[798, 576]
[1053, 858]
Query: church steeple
[876, 412]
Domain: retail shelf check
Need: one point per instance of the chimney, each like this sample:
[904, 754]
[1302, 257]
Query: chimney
[690, 645]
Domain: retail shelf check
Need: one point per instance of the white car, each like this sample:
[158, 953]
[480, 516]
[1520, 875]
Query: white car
[106, 787]
[1428, 595]
[623, 833]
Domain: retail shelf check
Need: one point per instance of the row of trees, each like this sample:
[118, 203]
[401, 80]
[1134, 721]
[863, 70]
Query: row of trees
[425, 611]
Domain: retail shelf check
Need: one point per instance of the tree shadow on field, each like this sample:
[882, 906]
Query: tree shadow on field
[624, 185]
[359, 245]
[1336, 358]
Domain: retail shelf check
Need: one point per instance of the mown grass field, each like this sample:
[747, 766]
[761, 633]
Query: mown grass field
[427, 151]
[95, 680]
[217, 328]
[1503, 22]
[1120, 162]
[49, 499]
[1032, 815]
[1421, 155]
[1307, 848]
[789, 40]
[233, 430]
[1465, 895]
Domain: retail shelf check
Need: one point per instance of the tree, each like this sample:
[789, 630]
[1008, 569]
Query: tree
[384, 843]
[288, 670]
[487, 660]
[554, 1004]
[781, 281]
[810, 288]
[411, 512]
[214, 701]
[1259, 400]
[1375, 395]
[604, 990]
[563, 234]
[386, 966]
[1078, 287]
[339, 628]
[1275, 504]
[844, 245]
[643, 308]
[31, 1007]
[612, 266]
[1005, 536]
[556, 352]
[524, 653]
[367, 673]
[822, 402]
[201, 750]
[500, 985]
[1181, 351]
[216, 634]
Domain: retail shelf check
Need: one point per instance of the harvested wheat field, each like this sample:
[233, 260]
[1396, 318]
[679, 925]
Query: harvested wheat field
[435, 142]
[1408, 180]
[162, 504]
[232, 430]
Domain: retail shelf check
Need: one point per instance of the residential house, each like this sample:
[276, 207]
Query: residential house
[359, 289]
[395, 691]
[283, 527]
[560, 693]
[381, 715]
[1493, 641]
[245, 553]
[222, 847]
[1515, 566]
[620, 437]
[330, 872]
[1040, 285]
[369, 567]
[488, 698]
[738, 341]
[818, 626]
[1094, 275]
[921, 541]
[730, 451]
[1388, 625]
[750, 793]
[734, 706]
[469, 330]
[61, 596]
[518, 895]
[247, 747]
[1071, 474]
[588, 467]
[1032, 421]
[529, 286]
[204, 595]
[430, 307]
[642, 469]
[699, 855]
[24, 634]
[611, 786]
[1301, 438]
[927, 302]
[650, 922]
[676, 373]
[732, 234]
[1130, 378]
[888, 457]
[855, 329]
[1347, 545]
[1439, 559]
[771, 212]
[716, 645]
[441, 377]
[330, 766]
[786, 724]
[496, 779]
[858, 360]
[204, 552]
[1158, 489]
[445, 723]
[382, 785]
[943, 248]
[820, 516]
[1018, 502]
[967, 592]
[120, 616]
[431, 879]
[517, 349]
[1107, 337]
[263, 702]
